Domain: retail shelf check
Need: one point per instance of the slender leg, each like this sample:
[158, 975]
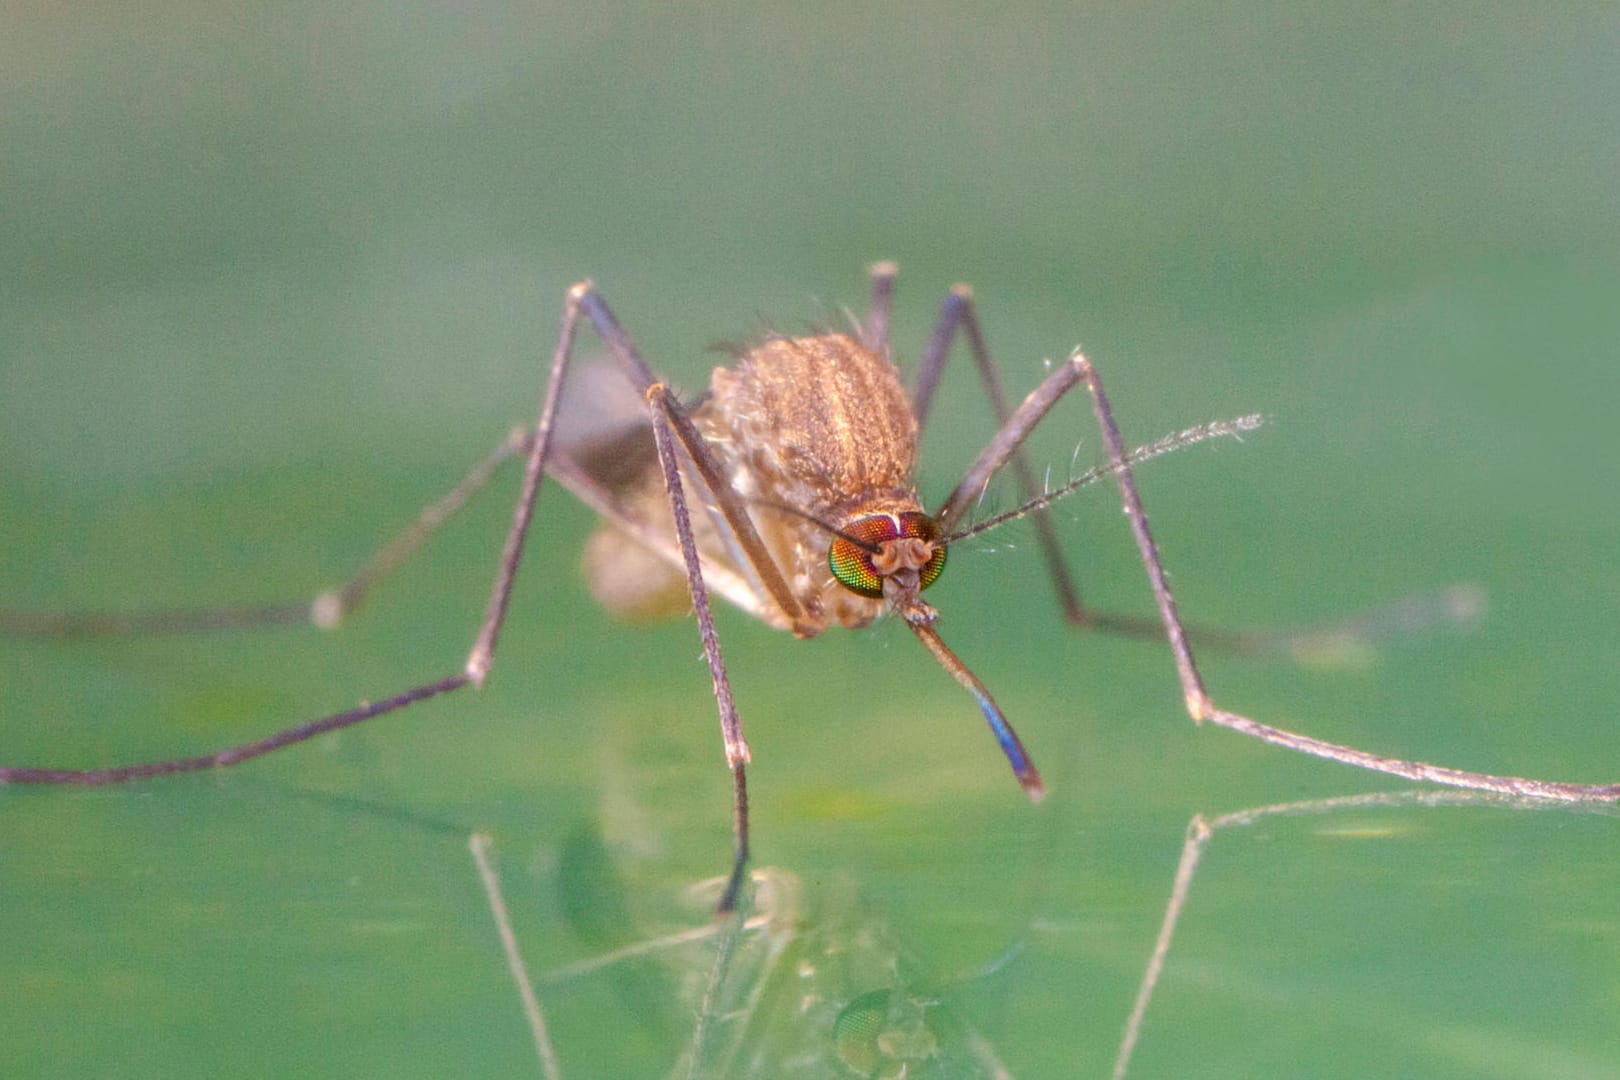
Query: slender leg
[325, 611]
[730, 723]
[479, 845]
[1014, 430]
[1199, 705]
[669, 424]
[875, 331]
[1201, 708]
[235, 755]
[956, 315]
[473, 673]
[483, 650]
[1201, 830]
[651, 535]
[731, 505]
[1454, 606]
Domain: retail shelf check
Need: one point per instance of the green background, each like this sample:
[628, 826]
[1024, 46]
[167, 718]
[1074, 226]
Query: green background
[274, 276]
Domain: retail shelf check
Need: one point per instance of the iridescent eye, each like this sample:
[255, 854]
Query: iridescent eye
[850, 556]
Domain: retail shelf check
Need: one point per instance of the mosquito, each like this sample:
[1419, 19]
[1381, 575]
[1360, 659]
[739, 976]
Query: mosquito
[799, 463]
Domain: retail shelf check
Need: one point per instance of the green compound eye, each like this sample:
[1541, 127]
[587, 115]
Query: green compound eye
[850, 557]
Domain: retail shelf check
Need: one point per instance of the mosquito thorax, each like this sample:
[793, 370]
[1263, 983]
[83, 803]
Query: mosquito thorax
[903, 547]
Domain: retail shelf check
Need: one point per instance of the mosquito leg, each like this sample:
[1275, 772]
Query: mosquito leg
[1455, 606]
[1201, 708]
[235, 755]
[332, 605]
[500, 597]
[479, 844]
[958, 315]
[1014, 430]
[670, 423]
[478, 661]
[325, 611]
[731, 505]
[1201, 830]
[84, 624]
[875, 331]
[663, 408]
[596, 495]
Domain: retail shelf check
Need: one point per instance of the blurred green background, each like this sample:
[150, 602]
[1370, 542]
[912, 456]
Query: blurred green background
[275, 275]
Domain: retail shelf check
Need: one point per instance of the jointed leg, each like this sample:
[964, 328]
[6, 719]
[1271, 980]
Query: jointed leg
[1457, 605]
[1199, 704]
[671, 425]
[330, 607]
[668, 423]
[731, 505]
[730, 723]
[875, 330]
[959, 315]
[1201, 830]
[500, 597]
[326, 610]
[477, 665]
[1201, 708]
[235, 755]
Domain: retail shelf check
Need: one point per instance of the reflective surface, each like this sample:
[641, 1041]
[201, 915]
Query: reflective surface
[276, 282]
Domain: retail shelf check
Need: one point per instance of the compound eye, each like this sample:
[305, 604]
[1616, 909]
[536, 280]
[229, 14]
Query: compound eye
[852, 565]
[924, 527]
[850, 557]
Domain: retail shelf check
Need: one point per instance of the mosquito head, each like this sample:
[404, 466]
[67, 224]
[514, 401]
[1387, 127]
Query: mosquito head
[894, 557]
[888, 556]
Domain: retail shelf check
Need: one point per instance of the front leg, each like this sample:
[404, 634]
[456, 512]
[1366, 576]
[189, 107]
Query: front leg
[1202, 708]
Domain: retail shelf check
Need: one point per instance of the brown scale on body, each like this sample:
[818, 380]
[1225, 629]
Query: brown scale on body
[821, 424]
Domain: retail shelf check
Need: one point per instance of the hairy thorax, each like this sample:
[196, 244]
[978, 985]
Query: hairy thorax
[814, 433]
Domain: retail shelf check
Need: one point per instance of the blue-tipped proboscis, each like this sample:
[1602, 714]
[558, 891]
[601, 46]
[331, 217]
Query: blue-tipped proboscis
[1017, 756]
